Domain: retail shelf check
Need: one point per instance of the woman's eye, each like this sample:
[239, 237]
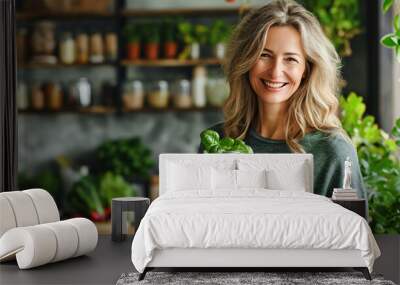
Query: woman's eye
[292, 59]
[265, 55]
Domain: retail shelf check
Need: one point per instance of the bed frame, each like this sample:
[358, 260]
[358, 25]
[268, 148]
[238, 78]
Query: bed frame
[249, 258]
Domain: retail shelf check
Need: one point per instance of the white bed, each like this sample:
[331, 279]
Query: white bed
[231, 221]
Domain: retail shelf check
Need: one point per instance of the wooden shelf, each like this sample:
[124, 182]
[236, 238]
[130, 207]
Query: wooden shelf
[173, 109]
[61, 65]
[171, 62]
[90, 110]
[108, 110]
[183, 11]
[28, 15]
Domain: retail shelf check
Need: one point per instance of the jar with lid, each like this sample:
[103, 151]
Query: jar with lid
[43, 43]
[37, 97]
[96, 48]
[159, 94]
[82, 48]
[54, 96]
[111, 46]
[181, 94]
[67, 48]
[133, 96]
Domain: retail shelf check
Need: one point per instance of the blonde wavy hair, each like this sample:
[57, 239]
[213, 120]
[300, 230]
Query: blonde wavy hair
[314, 104]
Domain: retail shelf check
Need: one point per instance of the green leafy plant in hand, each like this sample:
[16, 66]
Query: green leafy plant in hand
[380, 166]
[211, 142]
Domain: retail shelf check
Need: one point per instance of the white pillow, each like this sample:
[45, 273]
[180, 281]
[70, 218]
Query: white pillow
[284, 174]
[181, 177]
[293, 180]
[223, 179]
[251, 178]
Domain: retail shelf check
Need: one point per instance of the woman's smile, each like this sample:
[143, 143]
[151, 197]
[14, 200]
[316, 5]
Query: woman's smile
[274, 86]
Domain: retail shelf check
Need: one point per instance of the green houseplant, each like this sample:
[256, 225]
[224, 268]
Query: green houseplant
[340, 21]
[132, 34]
[219, 34]
[129, 158]
[192, 37]
[379, 162]
[91, 196]
[170, 38]
[151, 36]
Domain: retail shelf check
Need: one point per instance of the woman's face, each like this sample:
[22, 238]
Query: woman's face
[278, 72]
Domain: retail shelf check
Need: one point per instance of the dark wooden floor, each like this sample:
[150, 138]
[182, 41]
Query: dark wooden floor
[102, 266]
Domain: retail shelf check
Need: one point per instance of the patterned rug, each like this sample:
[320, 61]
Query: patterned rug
[243, 278]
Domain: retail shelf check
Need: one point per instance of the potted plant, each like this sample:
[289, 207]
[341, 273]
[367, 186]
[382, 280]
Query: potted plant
[192, 36]
[151, 36]
[380, 166]
[169, 35]
[218, 36]
[132, 35]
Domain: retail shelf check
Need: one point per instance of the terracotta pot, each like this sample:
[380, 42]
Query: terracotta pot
[133, 51]
[170, 49]
[151, 50]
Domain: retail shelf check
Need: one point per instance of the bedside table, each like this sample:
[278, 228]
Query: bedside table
[119, 207]
[358, 206]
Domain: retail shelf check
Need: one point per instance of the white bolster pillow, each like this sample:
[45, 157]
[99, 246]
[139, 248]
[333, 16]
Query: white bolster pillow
[40, 244]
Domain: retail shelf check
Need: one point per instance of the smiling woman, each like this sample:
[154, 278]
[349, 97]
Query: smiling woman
[284, 76]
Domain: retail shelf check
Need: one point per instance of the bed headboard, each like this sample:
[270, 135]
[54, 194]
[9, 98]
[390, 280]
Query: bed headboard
[269, 161]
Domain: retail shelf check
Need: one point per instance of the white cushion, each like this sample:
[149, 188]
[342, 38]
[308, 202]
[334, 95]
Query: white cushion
[294, 181]
[45, 205]
[7, 218]
[251, 178]
[183, 178]
[23, 208]
[290, 174]
[223, 179]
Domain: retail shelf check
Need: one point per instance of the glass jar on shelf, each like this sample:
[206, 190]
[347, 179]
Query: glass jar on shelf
[54, 96]
[96, 48]
[37, 97]
[67, 48]
[158, 95]
[217, 90]
[133, 96]
[111, 46]
[82, 48]
[181, 94]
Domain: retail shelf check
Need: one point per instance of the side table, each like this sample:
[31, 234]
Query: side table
[358, 206]
[119, 207]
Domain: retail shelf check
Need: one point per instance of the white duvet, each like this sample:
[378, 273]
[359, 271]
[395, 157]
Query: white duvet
[252, 218]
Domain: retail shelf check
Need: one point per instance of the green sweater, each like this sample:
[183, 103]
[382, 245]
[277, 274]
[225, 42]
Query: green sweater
[329, 154]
